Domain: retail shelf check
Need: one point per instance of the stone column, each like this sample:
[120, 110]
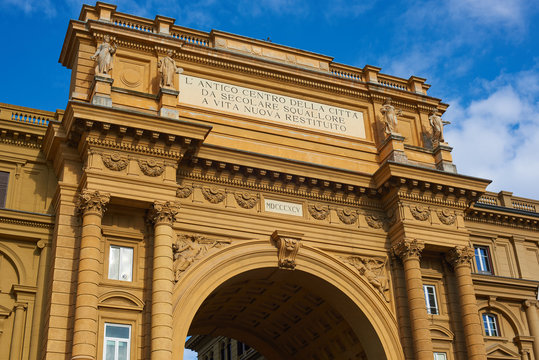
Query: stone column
[91, 205]
[18, 332]
[163, 215]
[533, 323]
[461, 258]
[410, 251]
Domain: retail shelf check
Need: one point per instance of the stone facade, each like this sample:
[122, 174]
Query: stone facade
[259, 196]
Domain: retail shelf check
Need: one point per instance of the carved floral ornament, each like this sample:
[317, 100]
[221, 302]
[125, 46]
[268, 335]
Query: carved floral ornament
[150, 167]
[446, 216]
[164, 212]
[189, 248]
[246, 199]
[184, 191]
[115, 161]
[420, 212]
[374, 221]
[373, 269]
[92, 201]
[213, 195]
[318, 211]
[288, 245]
[347, 216]
[408, 249]
[460, 255]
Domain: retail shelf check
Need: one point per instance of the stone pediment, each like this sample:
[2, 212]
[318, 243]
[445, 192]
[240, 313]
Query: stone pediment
[501, 352]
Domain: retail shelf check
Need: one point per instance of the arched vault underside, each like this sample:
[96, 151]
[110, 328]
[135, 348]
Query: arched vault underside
[321, 310]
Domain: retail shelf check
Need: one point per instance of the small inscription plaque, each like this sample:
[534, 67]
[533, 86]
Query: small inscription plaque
[223, 97]
[283, 207]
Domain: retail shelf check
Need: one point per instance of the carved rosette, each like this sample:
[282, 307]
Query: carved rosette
[347, 216]
[408, 249]
[318, 211]
[460, 255]
[446, 217]
[92, 201]
[164, 212]
[115, 161]
[189, 248]
[184, 191]
[288, 246]
[374, 221]
[151, 167]
[373, 269]
[213, 195]
[419, 212]
[245, 199]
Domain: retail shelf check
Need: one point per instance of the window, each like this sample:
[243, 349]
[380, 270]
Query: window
[117, 342]
[490, 324]
[121, 263]
[482, 260]
[440, 356]
[430, 299]
[4, 179]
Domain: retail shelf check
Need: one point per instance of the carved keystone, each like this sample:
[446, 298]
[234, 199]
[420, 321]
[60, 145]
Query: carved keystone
[288, 244]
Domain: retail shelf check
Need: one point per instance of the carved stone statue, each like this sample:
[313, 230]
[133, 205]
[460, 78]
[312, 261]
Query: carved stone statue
[372, 269]
[167, 68]
[103, 56]
[437, 128]
[390, 116]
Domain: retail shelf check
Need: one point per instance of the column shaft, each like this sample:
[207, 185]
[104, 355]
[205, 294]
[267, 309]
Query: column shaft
[533, 323]
[17, 335]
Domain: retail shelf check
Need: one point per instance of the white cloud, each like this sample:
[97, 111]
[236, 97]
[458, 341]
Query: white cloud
[497, 136]
[189, 355]
[500, 12]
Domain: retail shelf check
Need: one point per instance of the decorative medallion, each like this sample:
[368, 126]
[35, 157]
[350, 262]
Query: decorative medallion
[318, 211]
[213, 195]
[373, 269]
[189, 248]
[184, 191]
[347, 216]
[150, 167]
[115, 161]
[419, 212]
[245, 199]
[447, 217]
[374, 221]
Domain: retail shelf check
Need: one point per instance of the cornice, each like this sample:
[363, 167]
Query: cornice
[502, 217]
[24, 218]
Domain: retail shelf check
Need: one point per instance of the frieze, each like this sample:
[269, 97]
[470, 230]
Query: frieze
[374, 221]
[347, 216]
[151, 167]
[246, 199]
[114, 161]
[318, 211]
[446, 216]
[420, 212]
[373, 269]
[184, 192]
[189, 248]
[141, 149]
[213, 194]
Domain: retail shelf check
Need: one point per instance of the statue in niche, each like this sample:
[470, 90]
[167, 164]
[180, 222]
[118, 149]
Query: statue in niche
[390, 116]
[167, 68]
[103, 56]
[437, 124]
[373, 270]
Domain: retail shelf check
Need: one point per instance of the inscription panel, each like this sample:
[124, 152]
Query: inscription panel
[238, 100]
[283, 207]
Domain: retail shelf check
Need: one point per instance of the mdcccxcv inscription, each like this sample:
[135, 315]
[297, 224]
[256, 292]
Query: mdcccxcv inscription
[283, 207]
[300, 113]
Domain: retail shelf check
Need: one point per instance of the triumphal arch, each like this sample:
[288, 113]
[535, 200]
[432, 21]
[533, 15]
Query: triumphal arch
[212, 184]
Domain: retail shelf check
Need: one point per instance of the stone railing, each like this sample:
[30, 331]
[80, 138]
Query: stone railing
[346, 72]
[133, 22]
[190, 36]
[393, 82]
[25, 115]
[506, 199]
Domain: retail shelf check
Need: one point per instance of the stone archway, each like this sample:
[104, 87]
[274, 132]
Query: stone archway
[337, 303]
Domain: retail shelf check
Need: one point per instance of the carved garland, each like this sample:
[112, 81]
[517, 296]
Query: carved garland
[374, 221]
[184, 191]
[151, 167]
[115, 161]
[318, 211]
[347, 216]
[419, 212]
[245, 199]
[213, 195]
[446, 216]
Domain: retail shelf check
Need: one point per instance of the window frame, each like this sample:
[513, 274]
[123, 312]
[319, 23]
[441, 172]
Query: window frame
[489, 331]
[116, 340]
[439, 353]
[109, 263]
[484, 260]
[427, 301]
[4, 196]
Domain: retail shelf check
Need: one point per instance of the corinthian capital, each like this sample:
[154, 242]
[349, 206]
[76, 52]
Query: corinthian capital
[92, 201]
[408, 249]
[164, 212]
[460, 255]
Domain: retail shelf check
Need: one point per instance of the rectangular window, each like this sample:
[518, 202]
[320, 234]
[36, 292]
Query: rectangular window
[4, 179]
[121, 263]
[482, 260]
[440, 356]
[490, 324]
[117, 343]
[430, 299]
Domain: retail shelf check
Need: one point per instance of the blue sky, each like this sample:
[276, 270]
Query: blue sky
[480, 56]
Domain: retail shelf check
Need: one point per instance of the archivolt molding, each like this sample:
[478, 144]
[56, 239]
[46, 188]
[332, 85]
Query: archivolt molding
[501, 309]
